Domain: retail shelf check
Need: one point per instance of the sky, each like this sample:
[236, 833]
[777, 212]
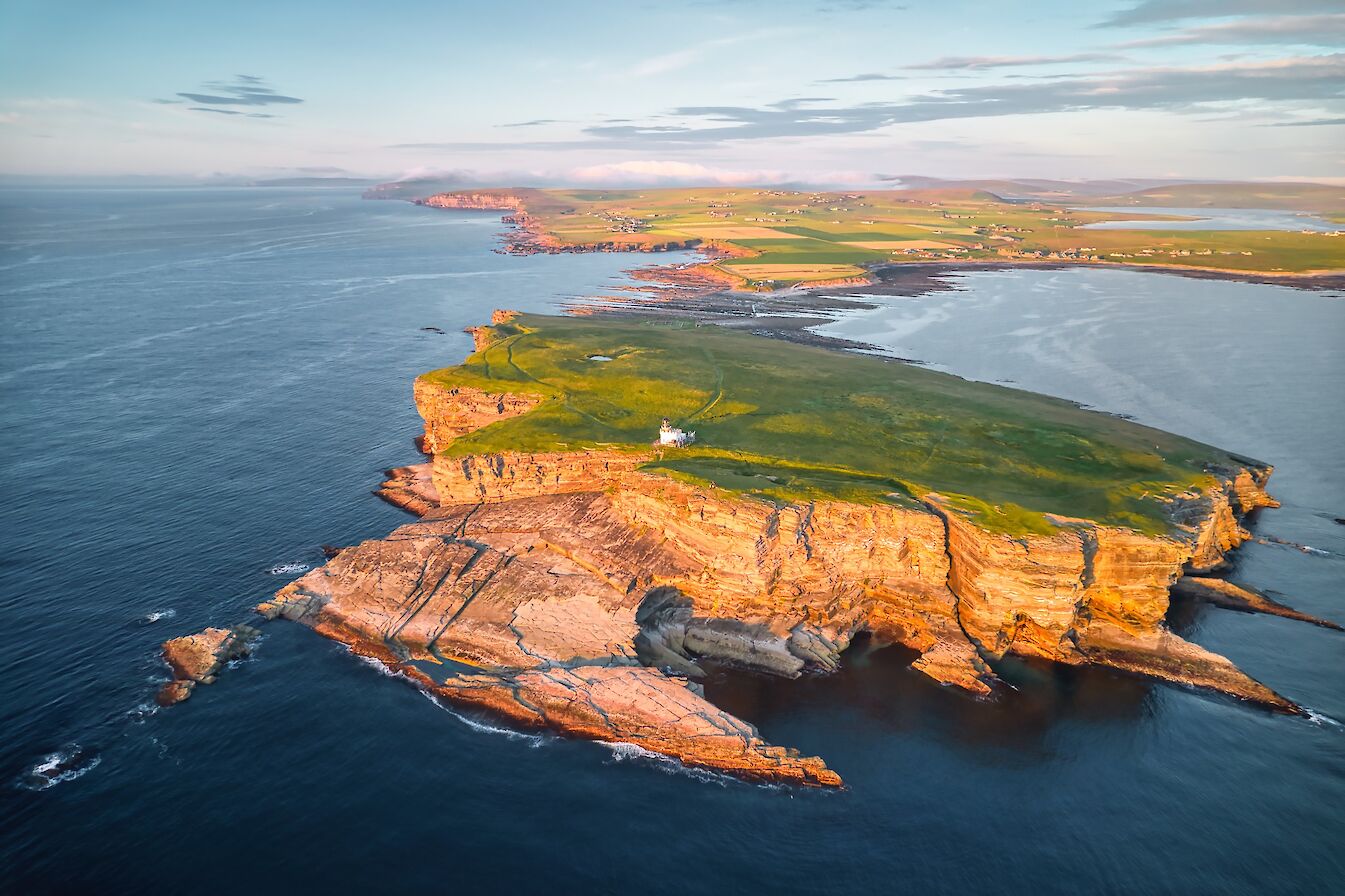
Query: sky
[701, 91]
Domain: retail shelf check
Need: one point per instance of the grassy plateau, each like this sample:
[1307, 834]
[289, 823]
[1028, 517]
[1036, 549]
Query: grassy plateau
[786, 237]
[786, 422]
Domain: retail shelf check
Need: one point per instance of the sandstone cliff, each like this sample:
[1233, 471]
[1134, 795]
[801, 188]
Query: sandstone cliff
[198, 659]
[572, 591]
[530, 237]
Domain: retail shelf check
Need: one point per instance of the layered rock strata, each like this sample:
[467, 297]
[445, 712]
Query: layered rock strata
[197, 659]
[571, 591]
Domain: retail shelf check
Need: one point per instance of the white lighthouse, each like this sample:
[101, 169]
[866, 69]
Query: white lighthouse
[676, 438]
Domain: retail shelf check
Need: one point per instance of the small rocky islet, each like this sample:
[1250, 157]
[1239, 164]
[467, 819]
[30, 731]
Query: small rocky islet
[566, 574]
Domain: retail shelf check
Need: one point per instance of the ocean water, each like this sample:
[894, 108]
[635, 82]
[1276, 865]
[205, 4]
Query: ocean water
[201, 387]
[1213, 219]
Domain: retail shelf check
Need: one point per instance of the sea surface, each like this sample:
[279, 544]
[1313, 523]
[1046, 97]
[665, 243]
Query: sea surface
[1213, 219]
[200, 387]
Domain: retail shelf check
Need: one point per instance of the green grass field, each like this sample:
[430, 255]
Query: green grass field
[776, 236]
[786, 422]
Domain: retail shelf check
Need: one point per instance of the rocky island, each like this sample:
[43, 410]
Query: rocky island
[568, 573]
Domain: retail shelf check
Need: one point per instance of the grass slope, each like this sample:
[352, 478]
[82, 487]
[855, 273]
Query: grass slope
[786, 422]
[783, 237]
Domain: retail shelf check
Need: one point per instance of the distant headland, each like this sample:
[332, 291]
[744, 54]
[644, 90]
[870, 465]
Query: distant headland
[769, 238]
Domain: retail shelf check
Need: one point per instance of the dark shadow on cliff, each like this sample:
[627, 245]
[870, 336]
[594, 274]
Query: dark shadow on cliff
[876, 691]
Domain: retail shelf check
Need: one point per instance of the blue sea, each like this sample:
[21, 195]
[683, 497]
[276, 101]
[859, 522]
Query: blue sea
[201, 387]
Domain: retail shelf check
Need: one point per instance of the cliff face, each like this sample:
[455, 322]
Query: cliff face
[530, 236]
[450, 413]
[572, 591]
[484, 200]
[504, 477]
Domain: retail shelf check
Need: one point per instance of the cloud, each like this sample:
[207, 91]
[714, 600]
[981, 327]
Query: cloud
[980, 62]
[46, 103]
[655, 172]
[1148, 12]
[867, 76]
[1320, 122]
[536, 122]
[230, 112]
[1317, 31]
[667, 62]
[679, 59]
[1310, 78]
[243, 90]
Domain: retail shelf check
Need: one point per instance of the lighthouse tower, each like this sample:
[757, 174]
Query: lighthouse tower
[670, 435]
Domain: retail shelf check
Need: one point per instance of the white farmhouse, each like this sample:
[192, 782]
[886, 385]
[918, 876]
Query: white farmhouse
[668, 435]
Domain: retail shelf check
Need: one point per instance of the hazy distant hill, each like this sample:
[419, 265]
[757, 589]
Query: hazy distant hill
[312, 182]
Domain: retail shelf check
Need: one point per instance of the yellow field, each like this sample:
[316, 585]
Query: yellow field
[772, 237]
[898, 245]
[795, 271]
[738, 232]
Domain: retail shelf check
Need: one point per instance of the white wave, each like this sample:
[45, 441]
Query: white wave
[289, 569]
[627, 752]
[376, 665]
[161, 614]
[1322, 720]
[59, 767]
[142, 712]
[533, 740]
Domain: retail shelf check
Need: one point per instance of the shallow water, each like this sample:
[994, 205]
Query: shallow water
[201, 387]
[1213, 219]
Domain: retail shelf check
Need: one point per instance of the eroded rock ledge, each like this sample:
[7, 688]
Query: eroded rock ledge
[197, 659]
[573, 592]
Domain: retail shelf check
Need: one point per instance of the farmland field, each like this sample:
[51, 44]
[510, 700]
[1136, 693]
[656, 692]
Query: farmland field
[773, 238]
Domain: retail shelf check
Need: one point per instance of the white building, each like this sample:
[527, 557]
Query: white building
[668, 435]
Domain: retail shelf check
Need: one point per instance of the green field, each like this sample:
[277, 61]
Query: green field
[784, 237]
[786, 422]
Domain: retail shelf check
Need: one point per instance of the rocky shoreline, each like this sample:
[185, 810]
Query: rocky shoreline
[526, 236]
[572, 592]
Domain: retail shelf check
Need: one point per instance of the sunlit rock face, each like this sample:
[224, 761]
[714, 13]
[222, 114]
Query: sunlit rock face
[571, 591]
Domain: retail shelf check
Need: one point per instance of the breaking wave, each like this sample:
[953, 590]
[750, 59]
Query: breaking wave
[1322, 720]
[627, 752]
[160, 614]
[288, 569]
[532, 740]
[66, 764]
[142, 712]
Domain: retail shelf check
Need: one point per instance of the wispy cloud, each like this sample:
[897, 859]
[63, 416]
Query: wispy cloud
[229, 112]
[536, 122]
[1295, 79]
[867, 76]
[687, 56]
[1148, 12]
[1315, 31]
[979, 62]
[1314, 123]
[669, 172]
[243, 90]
